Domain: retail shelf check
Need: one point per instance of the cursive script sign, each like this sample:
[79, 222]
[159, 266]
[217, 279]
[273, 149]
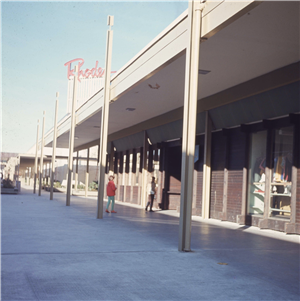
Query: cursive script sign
[94, 72]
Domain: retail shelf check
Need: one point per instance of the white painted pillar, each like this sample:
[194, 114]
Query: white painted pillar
[54, 148]
[104, 119]
[87, 172]
[145, 193]
[206, 168]
[36, 158]
[76, 172]
[189, 123]
[42, 155]
[71, 140]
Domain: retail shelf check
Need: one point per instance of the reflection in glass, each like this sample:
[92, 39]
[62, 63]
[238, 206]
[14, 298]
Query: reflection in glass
[281, 182]
[257, 180]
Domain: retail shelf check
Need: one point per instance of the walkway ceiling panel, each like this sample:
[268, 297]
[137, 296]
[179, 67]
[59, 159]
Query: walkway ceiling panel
[218, 14]
[62, 141]
[263, 40]
[162, 69]
[153, 97]
[87, 131]
[130, 142]
[165, 132]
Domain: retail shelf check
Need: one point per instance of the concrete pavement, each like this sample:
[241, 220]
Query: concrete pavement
[54, 252]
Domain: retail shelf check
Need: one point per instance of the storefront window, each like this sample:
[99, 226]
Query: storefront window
[257, 180]
[281, 181]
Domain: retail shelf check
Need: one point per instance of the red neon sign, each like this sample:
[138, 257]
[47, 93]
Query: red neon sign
[94, 72]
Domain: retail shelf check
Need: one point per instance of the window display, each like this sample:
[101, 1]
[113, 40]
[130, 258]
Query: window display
[256, 185]
[281, 182]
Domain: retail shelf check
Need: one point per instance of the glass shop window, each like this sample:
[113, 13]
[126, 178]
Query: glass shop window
[257, 179]
[281, 181]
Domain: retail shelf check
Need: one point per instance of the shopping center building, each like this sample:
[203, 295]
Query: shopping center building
[246, 158]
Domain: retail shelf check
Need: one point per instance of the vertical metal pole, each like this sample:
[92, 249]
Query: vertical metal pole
[87, 172]
[206, 168]
[42, 155]
[54, 148]
[189, 124]
[36, 157]
[104, 119]
[71, 140]
[111, 159]
[76, 172]
[145, 171]
[268, 173]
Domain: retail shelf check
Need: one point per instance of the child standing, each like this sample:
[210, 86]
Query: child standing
[111, 188]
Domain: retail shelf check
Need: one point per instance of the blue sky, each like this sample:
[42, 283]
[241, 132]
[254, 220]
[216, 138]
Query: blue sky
[38, 38]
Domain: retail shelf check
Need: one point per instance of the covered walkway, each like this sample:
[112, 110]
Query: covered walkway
[55, 252]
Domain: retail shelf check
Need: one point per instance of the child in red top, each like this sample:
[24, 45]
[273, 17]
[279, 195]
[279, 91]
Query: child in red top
[111, 188]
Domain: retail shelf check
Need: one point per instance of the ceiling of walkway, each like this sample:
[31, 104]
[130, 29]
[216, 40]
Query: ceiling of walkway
[262, 40]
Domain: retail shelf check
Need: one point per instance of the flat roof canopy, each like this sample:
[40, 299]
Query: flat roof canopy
[253, 49]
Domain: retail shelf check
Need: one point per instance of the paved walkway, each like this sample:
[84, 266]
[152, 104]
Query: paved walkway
[54, 252]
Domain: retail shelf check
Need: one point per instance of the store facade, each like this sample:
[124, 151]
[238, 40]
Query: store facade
[246, 159]
[254, 165]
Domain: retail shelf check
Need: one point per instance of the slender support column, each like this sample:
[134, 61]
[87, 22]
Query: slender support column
[144, 171]
[98, 154]
[111, 159]
[189, 123]
[166, 176]
[30, 175]
[46, 173]
[133, 174]
[126, 174]
[206, 168]
[87, 172]
[54, 147]
[116, 172]
[120, 192]
[76, 172]
[104, 119]
[223, 214]
[241, 219]
[36, 157]
[42, 155]
[71, 141]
